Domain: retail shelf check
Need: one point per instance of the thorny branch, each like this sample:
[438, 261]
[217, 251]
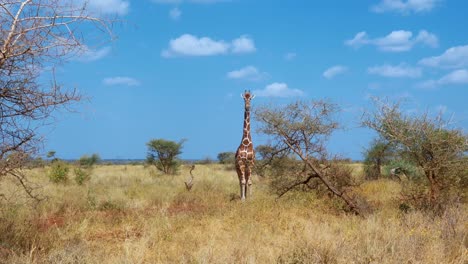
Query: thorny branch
[35, 37]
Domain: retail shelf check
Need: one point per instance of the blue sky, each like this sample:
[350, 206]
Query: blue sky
[177, 67]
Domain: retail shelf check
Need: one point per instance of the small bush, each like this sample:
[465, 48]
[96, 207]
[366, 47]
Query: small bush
[407, 169]
[89, 161]
[227, 157]
[81, 175]
[205, 161]
[58, 172]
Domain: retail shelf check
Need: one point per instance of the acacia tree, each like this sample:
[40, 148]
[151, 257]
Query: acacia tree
[163, 154]
[429, 142]
[226, 157]
[303, 128]
[35, 36]
[377, 155]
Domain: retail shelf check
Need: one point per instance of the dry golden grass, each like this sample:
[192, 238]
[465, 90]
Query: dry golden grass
[132, 214]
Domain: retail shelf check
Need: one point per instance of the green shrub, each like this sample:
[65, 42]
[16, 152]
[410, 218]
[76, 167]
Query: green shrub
[163, 154]
[227, 157]
[411, 171]
[89, 161]
[58, 172]
[81, 175]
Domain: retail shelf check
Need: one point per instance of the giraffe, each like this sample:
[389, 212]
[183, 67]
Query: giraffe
[245, 155]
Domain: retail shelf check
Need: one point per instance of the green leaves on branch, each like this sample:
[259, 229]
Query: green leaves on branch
[163, 154]
[429, 142]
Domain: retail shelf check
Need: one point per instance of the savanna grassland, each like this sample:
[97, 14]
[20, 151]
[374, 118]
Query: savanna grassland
[132, 214]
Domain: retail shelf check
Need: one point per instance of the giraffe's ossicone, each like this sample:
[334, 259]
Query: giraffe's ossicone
[245, 155]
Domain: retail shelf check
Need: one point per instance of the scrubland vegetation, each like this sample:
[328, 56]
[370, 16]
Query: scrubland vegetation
[405, 204]
[135, 214]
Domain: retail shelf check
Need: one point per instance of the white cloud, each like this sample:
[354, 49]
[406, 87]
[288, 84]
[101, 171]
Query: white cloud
[249, 73]
[360, 39]
[128, 81]
[457, 77]
[395, 41]
[427, 38]
[175, 13]
[331, 72]
[290, 56]
[243, 44]
[405, 7]
[119, 7]
[400, 71]
[278, 90]
[189, 45]
[86, 54]
[455, 57]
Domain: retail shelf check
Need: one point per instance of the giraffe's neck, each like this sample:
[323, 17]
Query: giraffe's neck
[246, 133]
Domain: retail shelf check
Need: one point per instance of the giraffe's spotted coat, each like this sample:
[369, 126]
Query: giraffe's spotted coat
[245, 155]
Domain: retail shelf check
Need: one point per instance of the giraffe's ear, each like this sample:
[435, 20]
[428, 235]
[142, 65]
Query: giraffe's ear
[242, 96]
[253, 96]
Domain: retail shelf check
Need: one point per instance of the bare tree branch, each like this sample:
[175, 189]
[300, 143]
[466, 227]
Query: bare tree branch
[36, 35]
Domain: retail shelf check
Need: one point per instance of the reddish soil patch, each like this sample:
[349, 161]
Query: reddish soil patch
[44, 224]
[186, 207]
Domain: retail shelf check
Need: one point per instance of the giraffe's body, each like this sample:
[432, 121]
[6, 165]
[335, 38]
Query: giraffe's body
[245, 155]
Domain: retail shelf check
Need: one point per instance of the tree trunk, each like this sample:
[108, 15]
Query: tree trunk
[352, 206]
[434, 187]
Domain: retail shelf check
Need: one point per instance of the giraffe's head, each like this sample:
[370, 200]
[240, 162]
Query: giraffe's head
[247, 95]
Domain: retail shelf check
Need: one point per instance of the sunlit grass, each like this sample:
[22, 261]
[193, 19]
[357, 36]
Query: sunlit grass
[133, 214]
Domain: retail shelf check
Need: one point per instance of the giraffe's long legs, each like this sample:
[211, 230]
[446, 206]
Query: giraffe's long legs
[242, 191]
[248, 186]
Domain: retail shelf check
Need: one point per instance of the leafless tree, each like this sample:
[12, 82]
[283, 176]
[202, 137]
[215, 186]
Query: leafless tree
[430, 142]
[35, 36]
[303, 128]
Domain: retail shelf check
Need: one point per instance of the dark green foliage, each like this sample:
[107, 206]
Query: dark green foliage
[226, 157]
[378, 154]
[408, 170]
[58, 172]
[89, 161]
[163, 154]
[265, 154]
[51, 154]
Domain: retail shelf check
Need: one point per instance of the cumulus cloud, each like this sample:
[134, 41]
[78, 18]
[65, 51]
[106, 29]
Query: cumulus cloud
[405, 7]
[455, 57]
[457, 77]
[189, 45]
[278, 90]
[395, 41]
[243, 44]
[119, 7]
[331, 72]
[119, 80]
[249, 73]
[86, 54]
[399, 71]
[175, 13]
